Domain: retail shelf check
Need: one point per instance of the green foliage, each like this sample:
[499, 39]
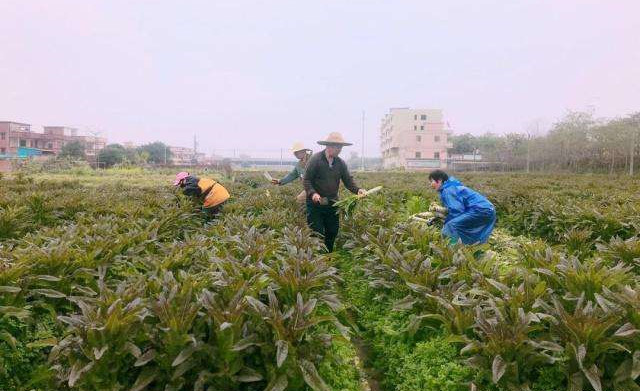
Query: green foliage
[463, 143]
[550, 379]
[111, 155]
[416, 204]
[156, 152]
[339, 367]
[435, 366]
[73, 150]
[618, 250]
[13, 221]
[146, 297]
[492, 304]
[111, 280]
[23, 353]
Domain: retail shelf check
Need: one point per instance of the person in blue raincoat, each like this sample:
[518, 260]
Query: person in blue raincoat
[470, 215]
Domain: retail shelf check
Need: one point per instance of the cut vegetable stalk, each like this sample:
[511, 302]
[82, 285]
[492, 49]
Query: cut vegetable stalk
[348, 204]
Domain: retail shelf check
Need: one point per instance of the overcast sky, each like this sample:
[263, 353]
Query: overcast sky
[261, 74]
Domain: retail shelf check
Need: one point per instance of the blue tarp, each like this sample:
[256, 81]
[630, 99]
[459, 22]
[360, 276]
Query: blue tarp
[24, 152]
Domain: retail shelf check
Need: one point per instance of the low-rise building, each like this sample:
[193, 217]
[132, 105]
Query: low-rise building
[465, 157]
[182, 156]
[16, 135]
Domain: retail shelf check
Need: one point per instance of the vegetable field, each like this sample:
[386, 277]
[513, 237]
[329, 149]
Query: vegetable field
[114, 281]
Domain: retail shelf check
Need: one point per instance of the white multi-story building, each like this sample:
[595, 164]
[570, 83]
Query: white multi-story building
[414, 139]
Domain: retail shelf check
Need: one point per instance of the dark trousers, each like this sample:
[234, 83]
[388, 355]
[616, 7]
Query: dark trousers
[324, 220]
[213, 212]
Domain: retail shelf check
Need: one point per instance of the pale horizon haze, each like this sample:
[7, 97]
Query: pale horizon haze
[257, 75]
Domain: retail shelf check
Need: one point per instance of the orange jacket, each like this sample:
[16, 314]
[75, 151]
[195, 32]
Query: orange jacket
[214, 193]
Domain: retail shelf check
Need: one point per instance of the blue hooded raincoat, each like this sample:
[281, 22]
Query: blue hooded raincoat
[471, 216]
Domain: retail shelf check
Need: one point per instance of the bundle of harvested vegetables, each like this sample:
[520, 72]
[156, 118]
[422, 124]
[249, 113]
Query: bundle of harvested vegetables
[429, 217]
[348, 204]
[434, 207]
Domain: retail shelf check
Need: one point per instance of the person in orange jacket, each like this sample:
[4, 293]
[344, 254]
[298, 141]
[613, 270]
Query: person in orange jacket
[212, 194]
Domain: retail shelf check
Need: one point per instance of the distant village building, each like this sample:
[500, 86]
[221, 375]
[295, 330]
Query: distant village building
[466, 157]
[414, 139]
[182, 156]
[18, 140]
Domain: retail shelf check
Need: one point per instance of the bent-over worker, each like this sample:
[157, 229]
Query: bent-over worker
[470, 215]
[211, 193]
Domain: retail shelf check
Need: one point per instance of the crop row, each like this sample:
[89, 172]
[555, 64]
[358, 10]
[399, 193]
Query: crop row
[523, 314]
[135, 291]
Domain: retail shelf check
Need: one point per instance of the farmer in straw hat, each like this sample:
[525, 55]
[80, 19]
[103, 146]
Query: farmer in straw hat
[211, 193]
[302, 154]
[322, 182]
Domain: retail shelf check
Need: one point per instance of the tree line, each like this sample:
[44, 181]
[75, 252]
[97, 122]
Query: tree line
[578, 142]
[113, 154]
[153, 153]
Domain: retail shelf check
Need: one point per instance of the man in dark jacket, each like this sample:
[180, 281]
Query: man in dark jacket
[322, 182]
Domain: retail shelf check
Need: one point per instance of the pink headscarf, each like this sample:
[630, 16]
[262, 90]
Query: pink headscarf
[179, 177]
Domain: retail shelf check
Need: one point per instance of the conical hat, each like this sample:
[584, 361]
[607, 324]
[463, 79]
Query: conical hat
[298, 146]
[334, 138]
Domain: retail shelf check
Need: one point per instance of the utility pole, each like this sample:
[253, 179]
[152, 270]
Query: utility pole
[194, 160]
[362, 140]
[475, 150]
[632, 152]
[165, 154]
[528, 150]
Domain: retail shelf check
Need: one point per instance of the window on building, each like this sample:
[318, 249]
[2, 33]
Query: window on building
[436, 155]
[415, 127]
[436, 138]
[3, 135]
[3, 151]
[418, 155]
[418, 138]
[50, 146]
[421, 127]
[23, 143]
[415, 116]
[423, 117]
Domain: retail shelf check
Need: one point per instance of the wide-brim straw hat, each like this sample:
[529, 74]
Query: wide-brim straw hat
[298, 146]
[334, 138]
